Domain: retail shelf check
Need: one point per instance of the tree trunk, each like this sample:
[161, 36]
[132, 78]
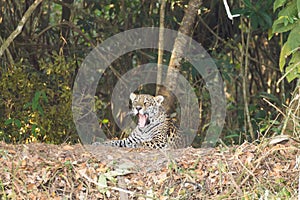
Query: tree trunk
[180, 44]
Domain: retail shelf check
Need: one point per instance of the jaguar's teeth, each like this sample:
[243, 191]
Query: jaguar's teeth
[142, 120]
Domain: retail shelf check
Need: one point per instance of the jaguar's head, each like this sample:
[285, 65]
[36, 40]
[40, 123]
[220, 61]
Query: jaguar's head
[146, 107]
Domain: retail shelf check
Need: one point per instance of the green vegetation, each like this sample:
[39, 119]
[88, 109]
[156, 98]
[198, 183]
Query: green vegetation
[288, 22]
[37, 103]
[257, 54]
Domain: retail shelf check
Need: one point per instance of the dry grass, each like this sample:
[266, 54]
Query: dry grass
[42, 171]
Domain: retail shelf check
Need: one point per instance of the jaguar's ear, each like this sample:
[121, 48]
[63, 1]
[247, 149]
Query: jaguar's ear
[132, 96]
[159, 99]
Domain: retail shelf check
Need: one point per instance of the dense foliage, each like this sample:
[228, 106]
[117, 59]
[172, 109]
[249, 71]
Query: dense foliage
[38, 69]
[37, 103]
[288, 21]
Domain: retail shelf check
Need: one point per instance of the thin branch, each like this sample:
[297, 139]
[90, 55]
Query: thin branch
[160, 44]
[232, 46]
[72, 26]
[245, 75]
[9, 56]
[271, 104]
[20, 26]
[216, 35]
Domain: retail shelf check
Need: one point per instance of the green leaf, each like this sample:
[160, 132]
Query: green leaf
[9, 121]
[290, 10]
[34, 126]
[254, 20]
[40, 109]
[44, 96]
[35, 100]
[27, 105]
[270, 33]
[291, 20]
[102, 180]
[248, 3]
[293, 70]
[292, 44]
[295, 58]
[278, 3]
[285, 21]
[267, 18]
[105, 121]
[34, 105]
[37, 96]
[232, 136]
[280, 27]
[18, 123]
[292, 73]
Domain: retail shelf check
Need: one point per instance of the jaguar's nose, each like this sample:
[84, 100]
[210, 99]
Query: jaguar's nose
[138, 108]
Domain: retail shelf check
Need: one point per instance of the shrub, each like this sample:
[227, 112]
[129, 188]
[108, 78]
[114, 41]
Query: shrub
[36, 102]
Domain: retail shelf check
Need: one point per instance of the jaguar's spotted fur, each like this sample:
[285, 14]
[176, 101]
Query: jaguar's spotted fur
[155, 129]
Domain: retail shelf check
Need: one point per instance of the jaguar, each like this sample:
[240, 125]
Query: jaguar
[155, 129]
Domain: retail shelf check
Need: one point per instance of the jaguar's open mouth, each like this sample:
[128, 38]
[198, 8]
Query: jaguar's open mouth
[143, 120]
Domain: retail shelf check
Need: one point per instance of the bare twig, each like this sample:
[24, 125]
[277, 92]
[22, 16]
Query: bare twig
[271, 104]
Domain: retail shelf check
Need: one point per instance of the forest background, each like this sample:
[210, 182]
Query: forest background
[257, 54]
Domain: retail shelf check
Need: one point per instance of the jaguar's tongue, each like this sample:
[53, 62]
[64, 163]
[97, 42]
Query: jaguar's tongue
[142, 120]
